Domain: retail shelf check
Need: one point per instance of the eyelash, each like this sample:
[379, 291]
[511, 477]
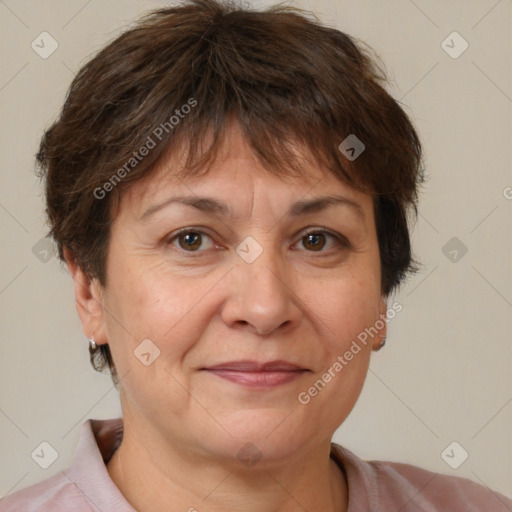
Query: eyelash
[340, 239]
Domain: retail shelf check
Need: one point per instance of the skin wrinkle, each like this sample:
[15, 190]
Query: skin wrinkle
[181, 421]
[258, 133]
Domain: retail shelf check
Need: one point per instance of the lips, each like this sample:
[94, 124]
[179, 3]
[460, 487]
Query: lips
[255, 366]
[258, 374]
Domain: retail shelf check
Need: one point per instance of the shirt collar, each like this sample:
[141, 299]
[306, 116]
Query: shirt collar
[99, 439]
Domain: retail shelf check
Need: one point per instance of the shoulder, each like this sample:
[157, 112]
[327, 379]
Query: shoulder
[444, 492]
[411, 488]
[56, 494]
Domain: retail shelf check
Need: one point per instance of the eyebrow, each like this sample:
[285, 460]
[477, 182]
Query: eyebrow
[213, 206]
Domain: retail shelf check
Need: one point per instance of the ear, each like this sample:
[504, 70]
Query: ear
[88, 299]
[381, 324]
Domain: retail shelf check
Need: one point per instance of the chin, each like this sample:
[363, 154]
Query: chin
[261, 437]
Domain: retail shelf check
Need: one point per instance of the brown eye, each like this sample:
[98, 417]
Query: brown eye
[315, 241]
[191, 241]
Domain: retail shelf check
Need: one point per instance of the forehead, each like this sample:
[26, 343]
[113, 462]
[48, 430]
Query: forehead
[237, 177]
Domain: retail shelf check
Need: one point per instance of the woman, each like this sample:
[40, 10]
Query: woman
[229, 190]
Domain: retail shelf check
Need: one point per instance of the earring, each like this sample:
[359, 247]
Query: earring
[382, 343]
[92, 344]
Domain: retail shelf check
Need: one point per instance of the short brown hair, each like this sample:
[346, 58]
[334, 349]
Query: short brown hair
[282, 75]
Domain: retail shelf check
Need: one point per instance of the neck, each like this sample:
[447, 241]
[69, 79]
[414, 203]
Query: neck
[154, 483]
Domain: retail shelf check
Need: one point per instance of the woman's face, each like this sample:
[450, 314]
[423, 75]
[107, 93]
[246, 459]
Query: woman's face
[220, 333]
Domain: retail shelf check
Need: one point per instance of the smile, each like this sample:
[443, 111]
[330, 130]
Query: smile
[258, 375]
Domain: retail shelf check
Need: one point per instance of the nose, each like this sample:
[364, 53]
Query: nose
[260, 296]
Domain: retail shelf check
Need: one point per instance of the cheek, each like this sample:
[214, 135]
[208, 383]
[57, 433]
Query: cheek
[344, 310]
[344, 307]
[152, 304]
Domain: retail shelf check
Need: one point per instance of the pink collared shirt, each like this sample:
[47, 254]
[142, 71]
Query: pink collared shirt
[373, 486]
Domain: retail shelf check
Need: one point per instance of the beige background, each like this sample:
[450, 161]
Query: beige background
[445, 374]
